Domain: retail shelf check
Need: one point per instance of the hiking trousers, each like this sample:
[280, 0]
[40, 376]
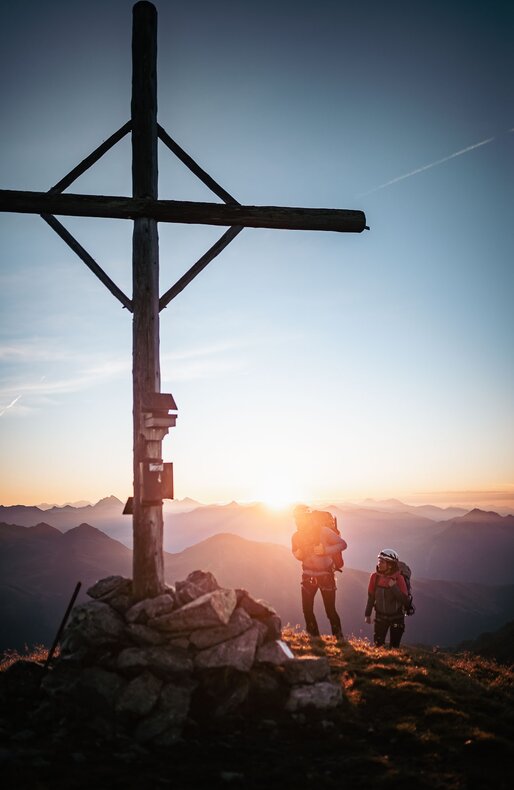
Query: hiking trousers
[326, 584]
[396, 627]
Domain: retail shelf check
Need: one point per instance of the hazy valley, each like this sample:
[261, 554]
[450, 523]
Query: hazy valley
[474, 546]
[462, 571]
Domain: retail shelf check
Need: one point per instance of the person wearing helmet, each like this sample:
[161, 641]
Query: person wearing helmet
[315, 546]
[388, 595]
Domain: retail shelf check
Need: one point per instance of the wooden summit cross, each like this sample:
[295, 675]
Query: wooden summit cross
[151, 407]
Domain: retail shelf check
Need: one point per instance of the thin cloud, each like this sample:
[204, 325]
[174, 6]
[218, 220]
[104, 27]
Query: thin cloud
[46, 385]
[9, 406]
[198, 369]
[429, 166]
[202, 351]
[34, 351]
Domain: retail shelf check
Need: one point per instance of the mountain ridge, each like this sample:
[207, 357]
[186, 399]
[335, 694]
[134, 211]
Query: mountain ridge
[475, 547]
[46, 568]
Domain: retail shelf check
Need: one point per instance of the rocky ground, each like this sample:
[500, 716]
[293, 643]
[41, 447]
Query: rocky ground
[408, 718]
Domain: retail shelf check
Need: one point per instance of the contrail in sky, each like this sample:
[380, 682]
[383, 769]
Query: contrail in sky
[9, 406]
[427, 167]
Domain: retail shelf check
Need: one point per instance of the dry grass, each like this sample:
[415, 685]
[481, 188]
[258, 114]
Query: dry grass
[410, 717]
[447, 718]
[37, 653]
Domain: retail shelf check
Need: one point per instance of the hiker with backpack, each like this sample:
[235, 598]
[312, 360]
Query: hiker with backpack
[389, 594]
[317, 544]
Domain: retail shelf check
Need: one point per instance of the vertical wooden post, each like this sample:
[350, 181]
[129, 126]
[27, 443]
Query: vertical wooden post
[148, 570]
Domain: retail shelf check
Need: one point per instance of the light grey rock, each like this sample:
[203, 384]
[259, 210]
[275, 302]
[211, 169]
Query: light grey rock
[159, 659]
[121, 603]
[170, 714]
[95, 622]
[221, 692]
[268, 690]
[175, 699]
[140, 695]
[233, 700]
[111, 585]
[273, 627]
[105, 684]
[238, 653]
[276, 653]
[143, 635]
[240, 593]
[178, 641]
[107, 659]
[154, 726]
[213, 609]
[262, 630]
[239, 622]
[322, 696]
[146, 610]
[307, 669]
[61, 680]
[198, 583]
[256, 608]
[72, 646]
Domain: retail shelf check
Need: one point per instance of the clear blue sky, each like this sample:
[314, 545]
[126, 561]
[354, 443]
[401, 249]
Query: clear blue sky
[304, 365]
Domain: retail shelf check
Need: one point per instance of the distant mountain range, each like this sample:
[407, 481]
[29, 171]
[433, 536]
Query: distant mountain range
[474, 547]
[40, 566]
[396, 506]
[107, 511]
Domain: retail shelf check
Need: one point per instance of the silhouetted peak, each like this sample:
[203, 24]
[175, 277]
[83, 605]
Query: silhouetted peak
[43, 529]
[109, 500]
[85, 531]
[480, 515]
[388, 502]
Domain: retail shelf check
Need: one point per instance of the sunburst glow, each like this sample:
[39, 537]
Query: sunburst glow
[277, 494]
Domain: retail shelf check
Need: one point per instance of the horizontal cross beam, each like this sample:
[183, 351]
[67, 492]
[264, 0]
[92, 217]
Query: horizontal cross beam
[339, 220]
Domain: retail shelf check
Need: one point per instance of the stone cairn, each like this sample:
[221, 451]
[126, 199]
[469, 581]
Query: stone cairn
[196, 653]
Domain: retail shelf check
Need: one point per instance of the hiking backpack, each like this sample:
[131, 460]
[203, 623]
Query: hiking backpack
[406, 573]
[322, 518]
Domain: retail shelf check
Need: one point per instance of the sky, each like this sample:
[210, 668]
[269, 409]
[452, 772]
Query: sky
[305, 365]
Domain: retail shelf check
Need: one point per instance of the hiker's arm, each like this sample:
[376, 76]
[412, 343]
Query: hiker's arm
[371, 597]
[369, 606]
[333, 543]
[399, 590]
[295, 548]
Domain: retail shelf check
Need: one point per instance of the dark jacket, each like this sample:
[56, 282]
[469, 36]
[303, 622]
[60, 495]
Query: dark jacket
[316, 564]
[389, 601]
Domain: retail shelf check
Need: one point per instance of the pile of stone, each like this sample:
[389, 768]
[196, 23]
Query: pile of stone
[195, 652]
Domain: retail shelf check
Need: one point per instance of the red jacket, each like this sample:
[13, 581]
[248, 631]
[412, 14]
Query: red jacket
[388, 601]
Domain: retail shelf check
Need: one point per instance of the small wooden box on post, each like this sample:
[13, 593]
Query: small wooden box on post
[159, 414]
[156, 475]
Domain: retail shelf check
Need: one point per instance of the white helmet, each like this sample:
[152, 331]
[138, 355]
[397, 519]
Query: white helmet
[389, 555]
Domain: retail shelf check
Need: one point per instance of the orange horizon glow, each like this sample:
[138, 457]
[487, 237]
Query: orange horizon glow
[276, 498]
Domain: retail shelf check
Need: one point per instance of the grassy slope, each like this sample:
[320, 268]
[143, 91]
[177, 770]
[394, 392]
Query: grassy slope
[440, 719]
[411, 718]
